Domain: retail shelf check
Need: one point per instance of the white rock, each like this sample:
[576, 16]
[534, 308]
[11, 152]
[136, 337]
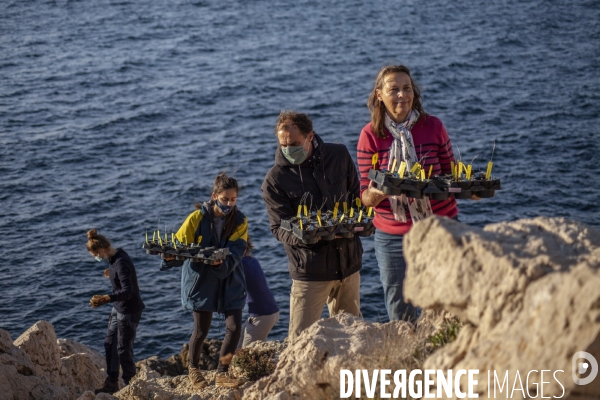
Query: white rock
[39, 342]
[69, 347]
[84, 373]
[310, 365]
[530, 290]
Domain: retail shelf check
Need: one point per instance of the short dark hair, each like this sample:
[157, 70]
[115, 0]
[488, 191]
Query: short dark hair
[302, 121]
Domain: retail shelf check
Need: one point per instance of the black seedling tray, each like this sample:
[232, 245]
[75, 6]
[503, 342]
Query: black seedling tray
[436, 188]
[386, 182]
[312, 231]
[364, 229]
[207, 255]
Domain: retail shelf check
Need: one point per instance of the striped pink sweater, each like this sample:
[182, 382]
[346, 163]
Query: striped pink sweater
[432, 145]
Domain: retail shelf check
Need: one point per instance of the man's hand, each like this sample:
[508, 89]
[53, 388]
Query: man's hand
[99, 299]
[107, 273]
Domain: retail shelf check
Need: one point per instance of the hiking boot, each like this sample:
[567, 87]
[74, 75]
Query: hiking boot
[223, 379]
[109, 387]
[197, 379]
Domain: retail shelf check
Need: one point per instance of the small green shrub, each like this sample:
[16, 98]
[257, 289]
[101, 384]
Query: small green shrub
[446, 334]
[254, 364]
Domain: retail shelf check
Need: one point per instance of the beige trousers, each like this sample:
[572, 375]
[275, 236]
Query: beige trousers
[308, 297]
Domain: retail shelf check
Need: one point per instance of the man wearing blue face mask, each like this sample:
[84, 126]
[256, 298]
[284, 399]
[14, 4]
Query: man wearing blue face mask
[326, 272]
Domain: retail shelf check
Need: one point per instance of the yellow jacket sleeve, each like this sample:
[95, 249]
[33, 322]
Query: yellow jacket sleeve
[187, 231]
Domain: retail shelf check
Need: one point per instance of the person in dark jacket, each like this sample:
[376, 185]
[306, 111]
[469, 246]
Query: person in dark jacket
[262, 307]
[126, 312]
[327, 271]
[214, 288]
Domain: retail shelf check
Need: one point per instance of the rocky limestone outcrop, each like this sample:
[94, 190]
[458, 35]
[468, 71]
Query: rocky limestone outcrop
[160, 379]
[310, 366]
[528, 291]
[39, 342]
[177, 364]
[69, 347]
[37, 366]
[32, 367]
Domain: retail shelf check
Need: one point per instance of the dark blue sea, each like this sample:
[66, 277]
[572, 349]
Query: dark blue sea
[118, 115]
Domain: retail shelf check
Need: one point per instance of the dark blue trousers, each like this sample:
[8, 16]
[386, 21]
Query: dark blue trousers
[118, 345]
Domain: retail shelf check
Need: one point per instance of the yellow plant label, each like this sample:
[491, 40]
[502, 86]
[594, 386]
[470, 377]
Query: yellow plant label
[415, 168]
[488, 173]
[402, 169]
[374, 160]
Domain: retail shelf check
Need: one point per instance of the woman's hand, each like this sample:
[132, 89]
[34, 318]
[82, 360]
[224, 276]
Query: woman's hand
[107, 273]
[373, 196]
[99, 299]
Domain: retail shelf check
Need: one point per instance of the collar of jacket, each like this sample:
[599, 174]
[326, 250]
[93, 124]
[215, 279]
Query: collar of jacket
[114, 256]
[317, 154]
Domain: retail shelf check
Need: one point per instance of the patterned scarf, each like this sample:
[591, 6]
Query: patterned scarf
[403, 149]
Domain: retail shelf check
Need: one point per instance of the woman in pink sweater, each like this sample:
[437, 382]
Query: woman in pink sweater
[400, 129]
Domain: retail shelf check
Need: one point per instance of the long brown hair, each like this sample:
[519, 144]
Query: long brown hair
[224, 182]
[96, 242]
[377, 107]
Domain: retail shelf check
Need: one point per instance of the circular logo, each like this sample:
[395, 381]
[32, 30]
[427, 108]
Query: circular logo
[584, 363]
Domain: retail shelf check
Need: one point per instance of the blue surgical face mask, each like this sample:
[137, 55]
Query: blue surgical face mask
[295, 154]
[224, 209]
[98, 258]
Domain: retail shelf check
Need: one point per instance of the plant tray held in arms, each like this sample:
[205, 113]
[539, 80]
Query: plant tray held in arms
[437, 187]
[311, 232]
[207, 255]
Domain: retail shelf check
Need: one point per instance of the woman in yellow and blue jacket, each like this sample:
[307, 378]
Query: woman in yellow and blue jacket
[214, 288]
